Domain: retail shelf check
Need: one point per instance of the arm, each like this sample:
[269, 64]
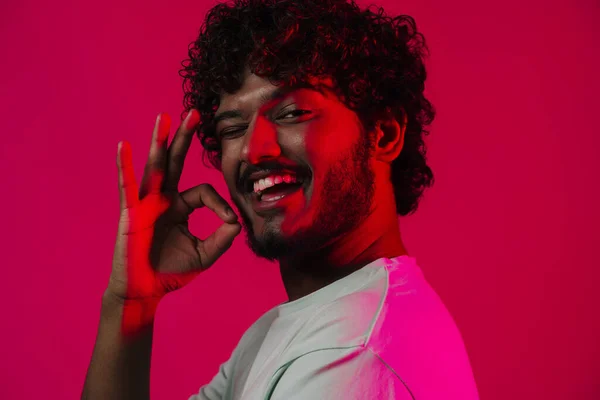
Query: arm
[120, 365]
[154, 254]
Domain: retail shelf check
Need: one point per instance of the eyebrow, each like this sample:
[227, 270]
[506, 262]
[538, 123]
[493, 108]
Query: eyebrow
[265, 98]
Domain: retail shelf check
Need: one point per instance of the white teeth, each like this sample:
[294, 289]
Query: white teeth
[273, 180]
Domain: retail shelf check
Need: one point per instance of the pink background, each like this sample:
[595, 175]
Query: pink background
[508, 236]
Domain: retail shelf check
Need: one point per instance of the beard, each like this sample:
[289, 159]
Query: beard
[345, 200]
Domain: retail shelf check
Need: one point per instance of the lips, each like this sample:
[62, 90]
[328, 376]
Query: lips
[276, 192]
[247, 185]
[277, 198]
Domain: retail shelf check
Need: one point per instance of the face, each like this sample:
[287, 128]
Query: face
[296, 163]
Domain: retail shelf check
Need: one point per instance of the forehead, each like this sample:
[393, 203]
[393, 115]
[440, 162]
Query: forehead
[257, 91]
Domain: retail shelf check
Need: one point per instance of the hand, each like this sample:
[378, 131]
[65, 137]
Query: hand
[155, 253]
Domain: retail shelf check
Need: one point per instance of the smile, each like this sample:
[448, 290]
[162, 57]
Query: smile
[275, 182]
[274, 193]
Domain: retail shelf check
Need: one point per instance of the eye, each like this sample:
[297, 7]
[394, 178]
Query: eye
[294, 114]
[229, 133]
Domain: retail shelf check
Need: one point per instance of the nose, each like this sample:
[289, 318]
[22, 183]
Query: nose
[260, 142]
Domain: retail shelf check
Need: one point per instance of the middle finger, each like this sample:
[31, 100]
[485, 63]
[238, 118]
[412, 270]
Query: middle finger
[179, 148]
[156, 157]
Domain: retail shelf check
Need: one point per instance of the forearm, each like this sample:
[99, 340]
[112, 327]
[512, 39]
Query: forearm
[120, 364]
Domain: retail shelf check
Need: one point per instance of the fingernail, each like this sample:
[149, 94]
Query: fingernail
[191, 119]
[229, 212]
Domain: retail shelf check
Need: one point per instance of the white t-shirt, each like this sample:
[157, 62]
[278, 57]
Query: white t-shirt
[378, 333]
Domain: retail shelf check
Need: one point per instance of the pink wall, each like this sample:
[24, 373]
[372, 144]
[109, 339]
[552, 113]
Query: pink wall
[508, 235]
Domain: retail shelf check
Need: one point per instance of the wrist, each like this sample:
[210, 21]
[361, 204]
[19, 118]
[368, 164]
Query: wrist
[135, 315]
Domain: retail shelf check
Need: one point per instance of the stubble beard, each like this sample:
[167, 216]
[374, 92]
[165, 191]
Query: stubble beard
[345, 201]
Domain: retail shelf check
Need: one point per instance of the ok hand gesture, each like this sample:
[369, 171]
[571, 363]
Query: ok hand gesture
[155, 253]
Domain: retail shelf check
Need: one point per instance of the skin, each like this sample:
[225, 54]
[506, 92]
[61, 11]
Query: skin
[155, 253]
[345, 217]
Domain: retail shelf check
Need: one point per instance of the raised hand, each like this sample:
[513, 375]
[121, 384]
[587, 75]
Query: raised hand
[155, 253]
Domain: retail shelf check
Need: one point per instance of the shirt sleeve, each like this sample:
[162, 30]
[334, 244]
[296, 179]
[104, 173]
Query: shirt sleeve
[340, 374]
[216, 388]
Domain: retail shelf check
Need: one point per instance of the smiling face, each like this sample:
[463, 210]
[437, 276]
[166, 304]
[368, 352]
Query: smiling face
[302, 135]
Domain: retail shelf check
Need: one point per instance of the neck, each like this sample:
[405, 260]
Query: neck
[377, 236]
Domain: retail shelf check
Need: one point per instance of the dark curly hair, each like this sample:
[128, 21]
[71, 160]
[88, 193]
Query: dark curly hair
[376, 63]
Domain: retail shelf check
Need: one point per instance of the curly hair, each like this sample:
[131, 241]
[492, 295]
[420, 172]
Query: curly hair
[375, 61]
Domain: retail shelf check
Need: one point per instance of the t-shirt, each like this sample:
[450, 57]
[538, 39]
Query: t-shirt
[378, 333]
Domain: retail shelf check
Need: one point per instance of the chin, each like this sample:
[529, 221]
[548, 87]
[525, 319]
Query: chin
[271, 243]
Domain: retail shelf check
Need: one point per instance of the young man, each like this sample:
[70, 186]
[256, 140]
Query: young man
[314, 112]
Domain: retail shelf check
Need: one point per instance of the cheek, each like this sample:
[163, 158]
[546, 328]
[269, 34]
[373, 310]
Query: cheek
[330, 139]
[228, 169]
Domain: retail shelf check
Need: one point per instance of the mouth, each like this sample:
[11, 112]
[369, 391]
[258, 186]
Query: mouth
[275, 190]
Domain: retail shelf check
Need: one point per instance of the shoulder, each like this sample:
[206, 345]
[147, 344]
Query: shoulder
[416, 336]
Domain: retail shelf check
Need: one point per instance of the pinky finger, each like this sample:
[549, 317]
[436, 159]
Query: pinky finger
[128, 188]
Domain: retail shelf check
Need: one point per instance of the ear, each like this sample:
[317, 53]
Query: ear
[389, 137]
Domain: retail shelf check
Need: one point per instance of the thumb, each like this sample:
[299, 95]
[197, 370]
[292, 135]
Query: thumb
[218, 243]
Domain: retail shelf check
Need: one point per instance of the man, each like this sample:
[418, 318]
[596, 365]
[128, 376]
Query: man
[315, 113]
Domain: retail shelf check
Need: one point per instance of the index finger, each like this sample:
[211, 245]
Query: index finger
[206, 195]
[179, 148]
[128, 189]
